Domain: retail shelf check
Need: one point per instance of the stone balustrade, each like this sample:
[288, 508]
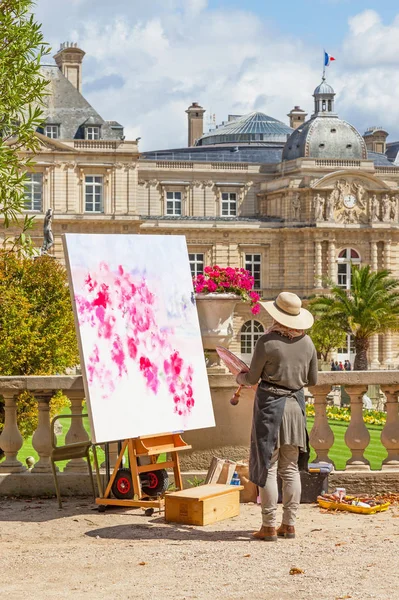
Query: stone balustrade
[229, 439]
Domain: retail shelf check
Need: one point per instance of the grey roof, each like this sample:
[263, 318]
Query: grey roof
[270, 154]
[255, 127]
[325, 137]
[380, 160]
[323, 89]
[392, 151]
[65, 106]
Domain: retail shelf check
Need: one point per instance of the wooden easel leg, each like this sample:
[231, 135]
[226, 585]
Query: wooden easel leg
[176, 470]
[115, 471]
[133, 469]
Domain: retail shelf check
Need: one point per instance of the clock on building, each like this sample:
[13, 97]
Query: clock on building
[349, 201]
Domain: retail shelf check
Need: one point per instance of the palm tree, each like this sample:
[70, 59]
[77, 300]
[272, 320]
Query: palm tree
[369, 308]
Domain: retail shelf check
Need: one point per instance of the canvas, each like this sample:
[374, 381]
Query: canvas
[139, 337]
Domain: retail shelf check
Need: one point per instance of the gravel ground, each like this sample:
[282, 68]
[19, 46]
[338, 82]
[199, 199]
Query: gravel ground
[120, 555]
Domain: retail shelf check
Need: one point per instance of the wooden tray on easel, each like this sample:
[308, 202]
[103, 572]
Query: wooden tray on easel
[128, 479]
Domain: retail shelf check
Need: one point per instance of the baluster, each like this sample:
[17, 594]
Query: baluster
[76, 432]
[11, 440]
[357, 436]
[41, 440]
[321, 437]
[390, 433]
[113, 455]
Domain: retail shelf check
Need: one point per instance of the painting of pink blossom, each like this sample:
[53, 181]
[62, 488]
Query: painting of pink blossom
[140, 345]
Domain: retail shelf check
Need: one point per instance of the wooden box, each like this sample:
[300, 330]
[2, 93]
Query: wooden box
[203, 505]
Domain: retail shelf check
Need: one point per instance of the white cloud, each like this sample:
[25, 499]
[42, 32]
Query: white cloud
[170, 53]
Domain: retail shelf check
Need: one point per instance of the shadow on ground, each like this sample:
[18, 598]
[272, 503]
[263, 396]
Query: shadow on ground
[169, 532]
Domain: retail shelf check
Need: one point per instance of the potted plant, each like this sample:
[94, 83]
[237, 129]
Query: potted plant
[217, 292]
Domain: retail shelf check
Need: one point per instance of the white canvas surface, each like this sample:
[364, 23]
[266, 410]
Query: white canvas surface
[140, 344]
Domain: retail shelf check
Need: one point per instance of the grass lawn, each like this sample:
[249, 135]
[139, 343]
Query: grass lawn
[339, 453]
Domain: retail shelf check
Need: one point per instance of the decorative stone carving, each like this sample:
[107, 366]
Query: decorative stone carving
[394, 209]
[296, 206]
[374, 209]
[318, 204]
[386, 209]
[330, 206]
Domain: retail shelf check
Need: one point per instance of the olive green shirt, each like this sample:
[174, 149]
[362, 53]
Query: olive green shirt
[282, 362]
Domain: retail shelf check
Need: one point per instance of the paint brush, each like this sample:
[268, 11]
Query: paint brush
[234, 400]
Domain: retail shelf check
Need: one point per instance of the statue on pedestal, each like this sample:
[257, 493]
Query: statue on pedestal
[318, 203]
[374, 209]
[386, 209]
[48, 238]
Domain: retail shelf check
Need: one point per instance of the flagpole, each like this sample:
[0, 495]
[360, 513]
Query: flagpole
[324, 64]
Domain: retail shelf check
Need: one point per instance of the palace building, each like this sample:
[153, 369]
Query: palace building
[295, 204]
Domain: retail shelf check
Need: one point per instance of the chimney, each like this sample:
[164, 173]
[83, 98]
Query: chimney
[195, 114]
[376, 139]
[297, 117]
[69, 60]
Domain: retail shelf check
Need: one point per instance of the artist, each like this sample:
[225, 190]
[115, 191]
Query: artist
[284, 361]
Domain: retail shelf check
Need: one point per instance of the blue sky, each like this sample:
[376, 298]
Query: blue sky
[147, 61]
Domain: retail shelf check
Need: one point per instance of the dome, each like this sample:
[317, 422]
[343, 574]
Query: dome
[255, 128]
[323, 89]
[325, 137]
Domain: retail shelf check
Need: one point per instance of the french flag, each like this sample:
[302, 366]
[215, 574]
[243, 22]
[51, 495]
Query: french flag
[327, 59]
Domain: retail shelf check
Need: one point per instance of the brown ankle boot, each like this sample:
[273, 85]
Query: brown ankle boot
[286, 531]
[266, 534]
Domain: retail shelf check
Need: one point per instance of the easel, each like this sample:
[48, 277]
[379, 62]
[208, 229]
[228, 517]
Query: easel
[150, 447]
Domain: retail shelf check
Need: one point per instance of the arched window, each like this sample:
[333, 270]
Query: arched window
[250, 333]
[346, 258]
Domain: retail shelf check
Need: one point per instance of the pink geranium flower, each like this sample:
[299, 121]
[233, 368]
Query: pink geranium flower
[237, 281]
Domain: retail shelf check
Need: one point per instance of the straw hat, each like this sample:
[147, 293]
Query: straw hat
[287, 310]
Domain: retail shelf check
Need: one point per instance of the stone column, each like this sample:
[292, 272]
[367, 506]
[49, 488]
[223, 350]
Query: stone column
[374, 352]
[387, 254]
[76, 432]
[321, 437]
[374, 255]
[357, 437]
[318, 265]
[41, 440]
[10, 439]
[390, 433]
[387, 349]
[332, 260]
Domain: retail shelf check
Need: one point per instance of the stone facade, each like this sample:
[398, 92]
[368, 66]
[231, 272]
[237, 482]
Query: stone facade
[296, 224]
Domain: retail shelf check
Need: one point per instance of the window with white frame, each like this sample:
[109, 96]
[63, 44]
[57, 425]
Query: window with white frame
[229, 204]
[253, 264]
[52, 131]
[196, 263]
[34, 191]
[173, 203]
[92, 133]
[350, 346]
[94, 193]
[346, 258]
[250, 333]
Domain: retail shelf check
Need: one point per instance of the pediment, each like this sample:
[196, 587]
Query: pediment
[350, 179]
[50, 145]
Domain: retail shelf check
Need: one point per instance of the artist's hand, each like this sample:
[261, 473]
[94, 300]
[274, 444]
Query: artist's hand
[240, 379]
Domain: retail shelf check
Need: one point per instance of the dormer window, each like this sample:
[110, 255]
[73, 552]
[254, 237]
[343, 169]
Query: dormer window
[92, 132]
[52, 131]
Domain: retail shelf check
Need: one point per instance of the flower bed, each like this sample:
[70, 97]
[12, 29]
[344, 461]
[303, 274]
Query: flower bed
[335, 413]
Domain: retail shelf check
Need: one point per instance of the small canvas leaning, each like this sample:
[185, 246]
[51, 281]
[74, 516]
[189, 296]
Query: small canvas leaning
[140, 345]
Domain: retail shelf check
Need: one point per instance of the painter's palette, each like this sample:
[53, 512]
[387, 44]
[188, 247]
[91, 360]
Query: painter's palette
[139, 337]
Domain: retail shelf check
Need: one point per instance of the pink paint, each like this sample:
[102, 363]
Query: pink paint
[121, 310]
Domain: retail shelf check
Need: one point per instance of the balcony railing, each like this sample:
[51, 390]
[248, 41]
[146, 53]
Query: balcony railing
[230, 437]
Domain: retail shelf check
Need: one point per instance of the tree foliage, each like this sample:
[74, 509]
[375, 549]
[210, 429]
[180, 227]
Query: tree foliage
[369, 308]
[326, 336]
[37, 333]
[21, 99]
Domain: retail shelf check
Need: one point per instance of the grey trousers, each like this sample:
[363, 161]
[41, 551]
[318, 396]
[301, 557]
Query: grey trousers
[284, 461]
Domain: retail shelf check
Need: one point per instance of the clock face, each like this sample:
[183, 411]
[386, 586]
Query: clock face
[350, 201]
